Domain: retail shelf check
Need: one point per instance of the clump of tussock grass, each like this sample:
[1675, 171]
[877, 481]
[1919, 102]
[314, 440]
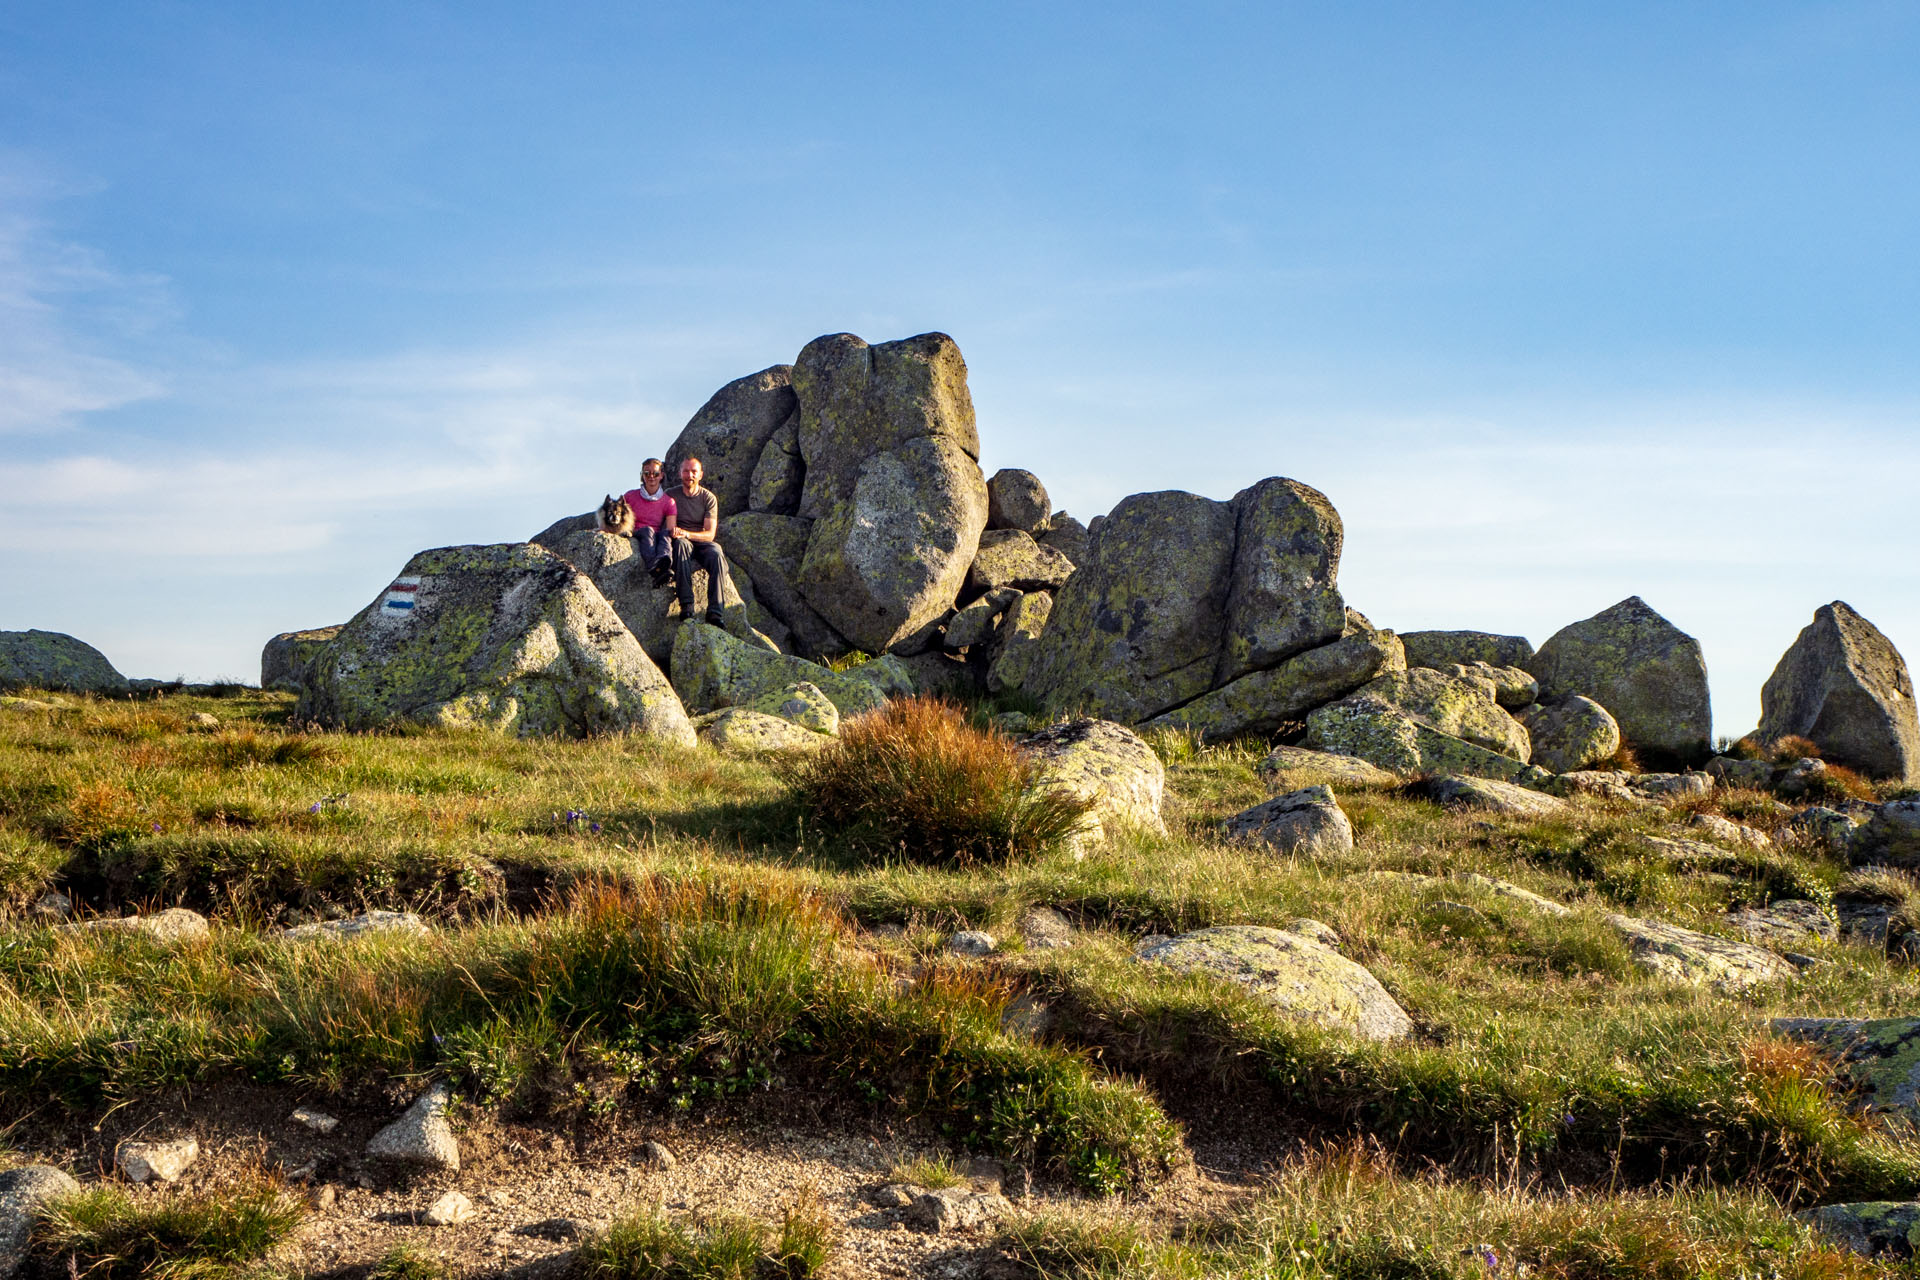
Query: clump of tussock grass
[1346, 1213]
[915, 781]
[105, 1232]
[650, 1246]
[931, 1172]
[409, 1262]
[688, 989]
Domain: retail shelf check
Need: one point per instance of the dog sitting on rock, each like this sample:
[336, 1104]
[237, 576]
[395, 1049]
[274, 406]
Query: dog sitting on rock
[616, 517]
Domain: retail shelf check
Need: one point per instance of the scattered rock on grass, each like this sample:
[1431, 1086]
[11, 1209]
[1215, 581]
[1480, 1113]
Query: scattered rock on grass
[1509, 890]
[314, 1121]
[22, 1192]
[1043, 928]
[1716, 827]
[1293, 973]
[1673, 785]
[357, 926]
[1105, 763]
[1823, 828]
[1755, 775]
[1488, 793]
[1681, 955]
[740, 731]
[157, 1161]
[1790, 921]
[1308, 822]
[1645, 671]
[422, 1136]
[972, 942]
[175, 924]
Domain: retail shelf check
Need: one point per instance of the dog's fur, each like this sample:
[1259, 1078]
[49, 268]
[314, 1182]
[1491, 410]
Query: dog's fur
[616, 516]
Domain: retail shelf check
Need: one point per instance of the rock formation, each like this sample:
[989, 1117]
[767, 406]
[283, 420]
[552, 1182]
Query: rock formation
[508, 637]
[287, 660]
[1645, 671]
[1843, 685]
[53, 660]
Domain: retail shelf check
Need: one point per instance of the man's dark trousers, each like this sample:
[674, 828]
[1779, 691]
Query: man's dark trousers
[689, 555]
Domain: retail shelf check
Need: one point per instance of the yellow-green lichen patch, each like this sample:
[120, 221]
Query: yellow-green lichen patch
[1290, 971]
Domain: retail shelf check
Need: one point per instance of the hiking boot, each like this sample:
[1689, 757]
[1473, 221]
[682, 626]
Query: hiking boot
[661, 573]
[716, 619]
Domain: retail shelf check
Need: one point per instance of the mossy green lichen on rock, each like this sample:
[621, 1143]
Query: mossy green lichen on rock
[1106, 764]
[652, 613]
[712, 669]
[1646, 672]
[1870, 1227]
[508, 637]
[780, 473]
[287, 660]
[1262, 701]
[1138, 628]
[1011, 558]
[1444, 648]
[802, 703]
[1458, 706]
[1017, 640]
[1572, 734]
[1290, 971]
[769, 548]
[1880, 1056]
[744, 731]
[1284, 595]
[1682, 955]
[54, 660]
[1390, 737]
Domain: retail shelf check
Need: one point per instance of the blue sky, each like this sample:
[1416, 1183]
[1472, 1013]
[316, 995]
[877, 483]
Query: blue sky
[1558, 304]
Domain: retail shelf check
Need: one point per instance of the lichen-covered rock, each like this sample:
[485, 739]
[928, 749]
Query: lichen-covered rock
[712, 670]
[1823, 828]
[1290, 971]
[1439, 649]
[769, 548]
[1843, 685]
[1285, 595]
[1011, 558]
[1284, 766]
[1457, 706]
[1511, 687]
[741, 731]
[653, 613]
[804, 703]
[780, 474]
[1262, 701]
[731, 431]
[893, 485]
[1138, 628]
[1017, 500]
[1309, 822]
[1869, 1227]
[1515, 893]
[423, 1136]
[956, 1209]
[1382, 734]
[1786, 921]
[287, 659]
[157, 1161]
[1890, 837]
[1681, 955]
[1016, 641]
[1753, 774]
[24, 1192]
[1572, 734]
[975, 623]
[54, 660]
[1715, 827]
[1498, 797]
[1645, 671]
[1880, 1056]
[508, 637]
[1680, 786]
[1105, 763]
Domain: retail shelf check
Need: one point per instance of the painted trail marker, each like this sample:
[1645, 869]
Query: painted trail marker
[401, 598]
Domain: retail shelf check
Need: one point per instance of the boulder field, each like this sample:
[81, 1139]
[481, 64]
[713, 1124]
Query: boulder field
[857, 521]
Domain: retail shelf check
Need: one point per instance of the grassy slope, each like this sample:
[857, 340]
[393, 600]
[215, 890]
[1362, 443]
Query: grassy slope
[1541, 1046]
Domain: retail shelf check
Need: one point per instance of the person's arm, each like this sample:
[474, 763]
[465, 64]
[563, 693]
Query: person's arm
[709, 531]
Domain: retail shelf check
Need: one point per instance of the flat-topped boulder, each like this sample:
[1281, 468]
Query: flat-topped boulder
[287, 660]
[1844, 686]
[1291, 971]
[1444, 648]
[1374, 729]
[508, 637]
[1682, 955]
[55, 660]
[1645, 671]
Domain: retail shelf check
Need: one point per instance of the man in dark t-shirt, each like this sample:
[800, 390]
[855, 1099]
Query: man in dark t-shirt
[696, 541]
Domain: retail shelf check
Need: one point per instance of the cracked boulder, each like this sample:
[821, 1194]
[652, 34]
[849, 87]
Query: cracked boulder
[509, 637]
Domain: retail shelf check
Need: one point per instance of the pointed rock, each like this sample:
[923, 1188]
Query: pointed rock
[1843, 685]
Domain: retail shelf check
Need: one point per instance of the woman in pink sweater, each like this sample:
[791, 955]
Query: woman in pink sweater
[653, 521]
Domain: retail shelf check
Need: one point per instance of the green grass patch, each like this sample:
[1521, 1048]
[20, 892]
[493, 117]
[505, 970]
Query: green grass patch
[106, 1233]
[650, 1246]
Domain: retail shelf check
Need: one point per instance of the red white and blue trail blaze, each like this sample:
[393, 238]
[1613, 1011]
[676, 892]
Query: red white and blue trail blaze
[401, 596]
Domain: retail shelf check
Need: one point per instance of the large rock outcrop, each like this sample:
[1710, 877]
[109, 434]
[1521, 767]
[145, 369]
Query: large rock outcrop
[1843, 685]
[712, 669]
[54, 660]
[653, 613]
[1181, 596]
[509, 637]
[1262, 701]
[1644, 670]
[861, 506]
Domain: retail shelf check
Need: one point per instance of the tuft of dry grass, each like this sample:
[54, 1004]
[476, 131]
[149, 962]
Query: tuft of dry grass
[917, 782]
